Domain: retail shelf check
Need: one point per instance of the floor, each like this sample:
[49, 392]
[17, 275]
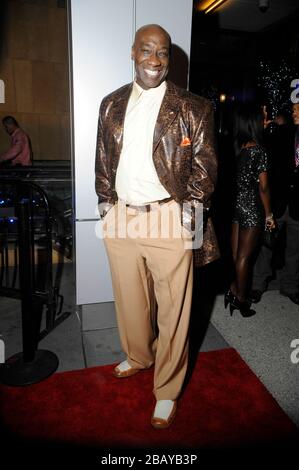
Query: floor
[265, 341]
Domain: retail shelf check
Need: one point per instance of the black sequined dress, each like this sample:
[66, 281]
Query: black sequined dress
[248, 208]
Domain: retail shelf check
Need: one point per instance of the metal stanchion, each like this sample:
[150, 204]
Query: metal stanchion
[31, 365]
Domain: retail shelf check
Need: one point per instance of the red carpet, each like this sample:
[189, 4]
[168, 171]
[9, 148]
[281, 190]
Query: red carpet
[223, 406]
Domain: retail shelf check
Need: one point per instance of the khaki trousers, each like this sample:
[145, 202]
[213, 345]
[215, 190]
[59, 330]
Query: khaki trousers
[149, 266]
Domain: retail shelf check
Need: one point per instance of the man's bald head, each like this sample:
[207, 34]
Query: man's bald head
[152, 27]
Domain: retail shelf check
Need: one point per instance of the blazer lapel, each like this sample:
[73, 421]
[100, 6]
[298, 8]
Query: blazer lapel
[167, 114]
[119, 112]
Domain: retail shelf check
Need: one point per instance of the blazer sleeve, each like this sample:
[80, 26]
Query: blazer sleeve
[203, 176]
[102, 167]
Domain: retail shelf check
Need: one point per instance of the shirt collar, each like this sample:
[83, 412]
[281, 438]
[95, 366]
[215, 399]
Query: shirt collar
[138, 90]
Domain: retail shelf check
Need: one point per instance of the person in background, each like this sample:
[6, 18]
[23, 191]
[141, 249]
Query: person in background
[19, 153]
[155, 153]
[284, 174]
[252, 208]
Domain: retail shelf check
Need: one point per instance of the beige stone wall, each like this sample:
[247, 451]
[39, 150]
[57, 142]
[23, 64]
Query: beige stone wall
[34, 68]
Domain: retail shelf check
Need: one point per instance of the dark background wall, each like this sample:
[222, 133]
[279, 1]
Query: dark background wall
[227, 60]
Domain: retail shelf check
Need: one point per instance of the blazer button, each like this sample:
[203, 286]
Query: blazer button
[291, 186]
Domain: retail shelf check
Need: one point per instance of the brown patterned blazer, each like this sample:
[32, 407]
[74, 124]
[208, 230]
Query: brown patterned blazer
[183, 152]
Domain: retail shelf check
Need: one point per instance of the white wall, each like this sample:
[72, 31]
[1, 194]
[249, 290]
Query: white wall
[173, 15]
[102, 32]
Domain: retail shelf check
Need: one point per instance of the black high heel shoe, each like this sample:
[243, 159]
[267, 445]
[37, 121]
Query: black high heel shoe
[228, 298]
[243, 307]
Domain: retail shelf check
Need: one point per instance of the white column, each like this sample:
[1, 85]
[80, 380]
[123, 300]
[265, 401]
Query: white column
[101, 39]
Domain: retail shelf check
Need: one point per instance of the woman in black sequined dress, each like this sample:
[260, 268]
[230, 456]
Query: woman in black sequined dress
[252, 209]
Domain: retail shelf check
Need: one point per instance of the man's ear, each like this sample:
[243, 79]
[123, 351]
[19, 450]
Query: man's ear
[132, 53]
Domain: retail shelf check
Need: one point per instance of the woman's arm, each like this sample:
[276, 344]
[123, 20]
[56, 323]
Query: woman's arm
[265, 197]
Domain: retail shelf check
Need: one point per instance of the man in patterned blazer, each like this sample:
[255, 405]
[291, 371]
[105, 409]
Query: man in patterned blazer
[155, 156]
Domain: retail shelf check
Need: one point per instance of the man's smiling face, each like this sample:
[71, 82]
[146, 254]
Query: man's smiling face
[150, 52]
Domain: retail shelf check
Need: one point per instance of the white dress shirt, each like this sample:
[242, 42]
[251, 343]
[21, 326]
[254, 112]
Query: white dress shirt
[137, 181]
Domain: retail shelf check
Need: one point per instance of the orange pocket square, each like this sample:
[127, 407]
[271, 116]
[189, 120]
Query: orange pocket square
[185, 142]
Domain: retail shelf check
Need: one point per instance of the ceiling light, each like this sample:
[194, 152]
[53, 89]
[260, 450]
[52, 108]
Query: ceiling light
[209, 5]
